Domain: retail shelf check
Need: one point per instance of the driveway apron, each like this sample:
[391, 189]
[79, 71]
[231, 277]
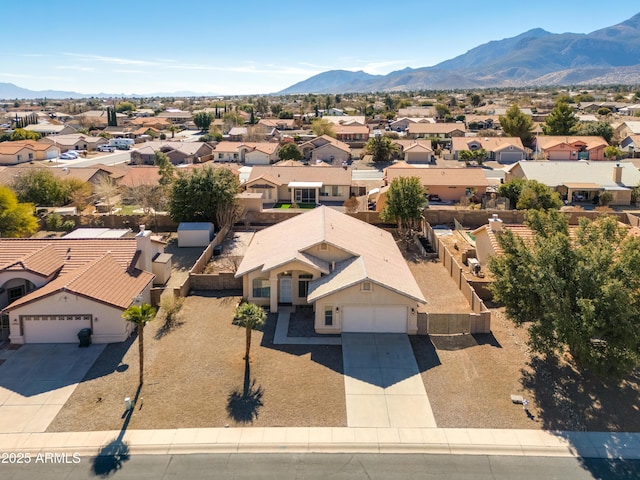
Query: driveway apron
[382, 382]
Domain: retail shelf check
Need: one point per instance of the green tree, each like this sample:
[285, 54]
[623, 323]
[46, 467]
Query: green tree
[22, 134]
[579, 296]
[140, 315]
[560, 121]
[442, 110]
[381, 148]
[538, 196]
[231, 120]
[203, 120]
[405, 202]
[512, 190]
[594, 129]
[127, 107]
[613, 153]
[202, 195]
[16, 219]
[516, 124]
[250, 316]
[289, 151]
[261, 106]
[40, 187]
[165, 168]
[475, 100]
[321, 127]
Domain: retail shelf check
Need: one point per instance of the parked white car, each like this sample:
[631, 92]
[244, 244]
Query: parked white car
[106, 148]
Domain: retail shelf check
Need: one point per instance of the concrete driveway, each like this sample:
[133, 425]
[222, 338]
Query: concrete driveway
[37, 380]
[382, 382]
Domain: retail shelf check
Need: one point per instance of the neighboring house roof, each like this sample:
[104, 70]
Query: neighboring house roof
[490, 144]
[46, 128]
[328, 176]
[558, 173]
[409, 143]
[41, 261]
[345, 119]
[151, 121]
[633, 126]
[468, 177]
[141, 175]
[12, 147]
[324, 140]
[71, 139]
[435, 128]
[418, 147]
[103, 279]
[375, 255]
[351, 129]
[545, 142]
[74, 253]
[186, 148]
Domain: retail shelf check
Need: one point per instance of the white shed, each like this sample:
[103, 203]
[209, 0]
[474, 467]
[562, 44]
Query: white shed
[195, 234]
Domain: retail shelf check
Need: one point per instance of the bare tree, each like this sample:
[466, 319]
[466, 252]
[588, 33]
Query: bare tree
[106, 188]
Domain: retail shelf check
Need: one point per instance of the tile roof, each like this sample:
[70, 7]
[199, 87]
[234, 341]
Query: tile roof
[324, 140]
[490, 144]
[74, 253]
[283, 174]
[468, 177]
[436, 128]
[377, 257]
[554, 173]
[17, 145]
[103, 279]
[141, 175]
[43, 261]
[545, 142]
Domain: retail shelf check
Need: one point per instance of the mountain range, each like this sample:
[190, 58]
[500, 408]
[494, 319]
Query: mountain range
[10, 91]
[607, 56]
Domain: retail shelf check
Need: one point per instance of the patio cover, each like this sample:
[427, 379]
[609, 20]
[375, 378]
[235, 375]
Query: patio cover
[304, 184]
[584, 186]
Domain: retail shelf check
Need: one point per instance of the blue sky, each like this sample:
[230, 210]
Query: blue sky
[143, 46]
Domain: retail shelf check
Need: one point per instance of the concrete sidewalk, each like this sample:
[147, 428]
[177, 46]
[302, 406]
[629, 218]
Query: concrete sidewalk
[382, 382]
[334, 440]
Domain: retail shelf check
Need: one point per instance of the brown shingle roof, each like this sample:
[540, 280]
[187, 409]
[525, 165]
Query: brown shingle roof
[284, 175]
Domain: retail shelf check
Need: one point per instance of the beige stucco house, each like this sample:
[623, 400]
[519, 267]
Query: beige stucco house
[300, 184]
[352, 273]
[500, 149]
[52, 288]
[22, 151]
[326, 149]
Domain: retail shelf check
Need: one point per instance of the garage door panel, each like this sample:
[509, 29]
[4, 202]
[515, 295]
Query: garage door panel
[374, 318]
[54, 328]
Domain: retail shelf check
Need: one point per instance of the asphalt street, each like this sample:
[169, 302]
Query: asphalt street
[324, 466]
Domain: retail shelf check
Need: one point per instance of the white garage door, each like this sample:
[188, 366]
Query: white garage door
[374, 318]
[510, 157]
[54, 328]
[51, 154]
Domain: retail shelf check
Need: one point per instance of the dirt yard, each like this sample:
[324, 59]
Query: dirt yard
[195, 376]
[469, 381]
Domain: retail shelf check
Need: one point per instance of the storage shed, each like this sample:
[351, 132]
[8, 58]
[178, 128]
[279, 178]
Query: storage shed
[161, 268]
[195, 234]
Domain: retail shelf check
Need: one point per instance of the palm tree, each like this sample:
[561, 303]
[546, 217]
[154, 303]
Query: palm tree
[173, 129]
[250, 316]
[140, 315]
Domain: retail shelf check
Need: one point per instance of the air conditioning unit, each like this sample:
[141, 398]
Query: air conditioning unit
[474, 265]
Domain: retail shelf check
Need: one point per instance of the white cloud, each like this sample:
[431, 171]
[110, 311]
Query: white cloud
[75, 67]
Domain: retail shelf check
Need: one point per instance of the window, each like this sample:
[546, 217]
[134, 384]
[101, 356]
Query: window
[335, 190]
[366, 286]
[235, 156]
[328, 315]
[19, 157]
[303, 285]
[31, 156]
[220, 156]
[261, 288]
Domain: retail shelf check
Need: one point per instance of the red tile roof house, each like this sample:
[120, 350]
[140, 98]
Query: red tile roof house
[300, 184]
[352, 273]
[255, 153]
[500, 149]
[449, 184]
[571, 148]
[52, 288]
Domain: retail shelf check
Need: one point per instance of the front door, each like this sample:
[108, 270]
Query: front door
[285, 289]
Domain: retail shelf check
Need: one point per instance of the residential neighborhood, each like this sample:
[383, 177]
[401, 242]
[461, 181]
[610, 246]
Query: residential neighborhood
[356, 255]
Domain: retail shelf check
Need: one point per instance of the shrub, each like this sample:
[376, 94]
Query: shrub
[68, 225]
[54, 221]
[163, 136]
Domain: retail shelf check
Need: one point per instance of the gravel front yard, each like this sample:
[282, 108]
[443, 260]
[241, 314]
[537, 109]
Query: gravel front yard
[195, 377]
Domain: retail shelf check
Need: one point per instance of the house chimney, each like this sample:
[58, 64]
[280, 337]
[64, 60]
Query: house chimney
[143, 245]
[617, 173]
[495, 223]
[333, 266]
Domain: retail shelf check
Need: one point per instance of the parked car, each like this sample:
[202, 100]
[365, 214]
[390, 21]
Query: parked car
[106, 148]
[434, 198]
[67, 156]
[71, 153]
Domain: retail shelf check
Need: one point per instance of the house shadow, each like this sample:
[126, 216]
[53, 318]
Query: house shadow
[591, 413]
[243, 405]
[39, 368]
[112, 456]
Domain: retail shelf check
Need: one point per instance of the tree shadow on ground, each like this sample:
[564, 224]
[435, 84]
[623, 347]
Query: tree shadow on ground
[571, 402]
[170, 324]
[243, 405]
[114, 454]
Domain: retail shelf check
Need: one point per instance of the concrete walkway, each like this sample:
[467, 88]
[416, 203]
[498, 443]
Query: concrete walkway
[333, 440]
[382, 382]
[37, 380]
